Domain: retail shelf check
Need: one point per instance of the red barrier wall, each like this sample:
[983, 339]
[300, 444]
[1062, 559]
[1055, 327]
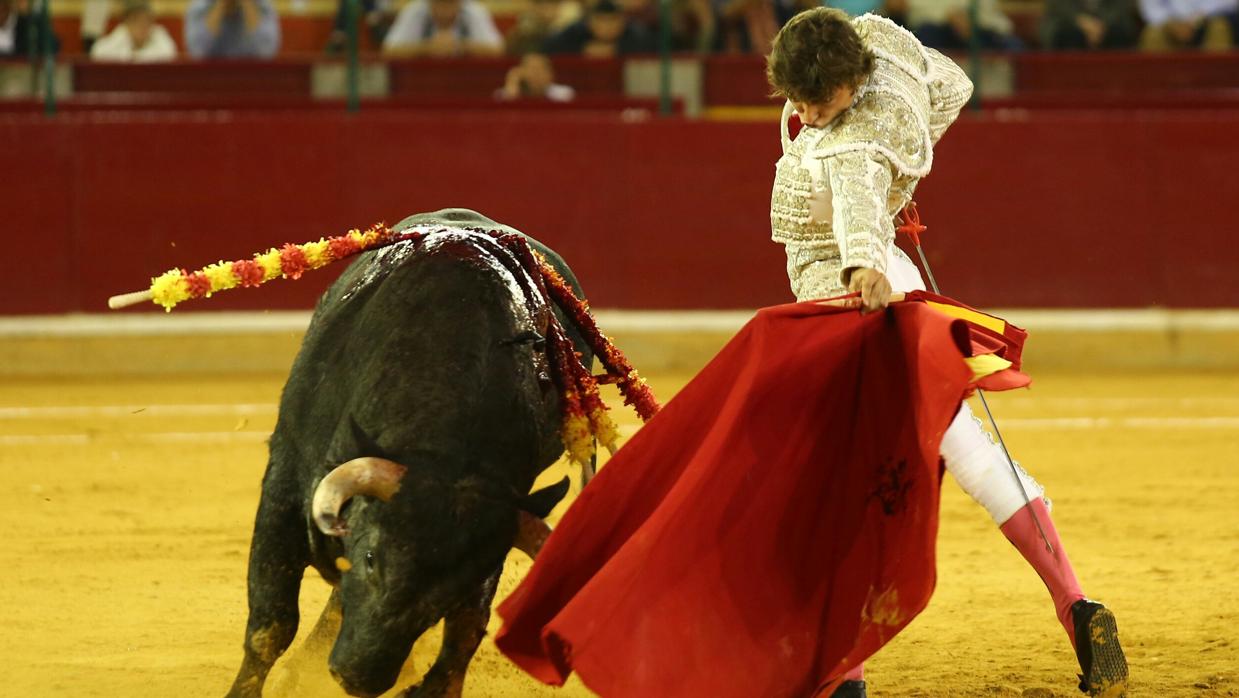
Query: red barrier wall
[1061, 209]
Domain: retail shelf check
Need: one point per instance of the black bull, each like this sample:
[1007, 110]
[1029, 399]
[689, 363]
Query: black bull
[425, 376]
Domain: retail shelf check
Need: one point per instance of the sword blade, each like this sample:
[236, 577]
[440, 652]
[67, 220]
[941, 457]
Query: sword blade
[933, 283]
[1019, 482]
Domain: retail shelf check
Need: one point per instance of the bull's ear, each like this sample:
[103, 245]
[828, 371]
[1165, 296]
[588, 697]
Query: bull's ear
[351, 441]
[540, 502]
[366, 444]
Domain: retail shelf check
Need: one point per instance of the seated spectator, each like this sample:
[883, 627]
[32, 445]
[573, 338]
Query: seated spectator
[1078, 25]
[231, 29]
[442, 28]
[746, 26]
[895, 10]
[694, 25]
[856, 8]
[604, 33]
[539, 21]
[18, 29]
[947, 25]
[94, 22]
[534, 78]
[1178, 24]
[136, 39]
[376, 18]
[786, 9]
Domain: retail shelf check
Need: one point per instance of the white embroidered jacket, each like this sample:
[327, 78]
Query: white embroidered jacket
[838, 189]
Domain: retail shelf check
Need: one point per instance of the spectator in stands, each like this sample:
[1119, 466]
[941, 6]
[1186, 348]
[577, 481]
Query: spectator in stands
[1078, 25]
[375, 19]
[94, 21]
[443, 28]
[856, 8]
[1176, 24]
[786, 9]
[604, 33]
[895, 10]
[138, 38]
[694, 23]
[19, 29]
[534, 78]
[747, 26]
[947, 25]
[539, 21]
[232, 29]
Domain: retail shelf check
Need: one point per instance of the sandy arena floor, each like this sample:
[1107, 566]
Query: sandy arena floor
[132, 502]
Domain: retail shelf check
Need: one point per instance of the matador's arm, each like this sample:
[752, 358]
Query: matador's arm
[860, 182]
[949, 90]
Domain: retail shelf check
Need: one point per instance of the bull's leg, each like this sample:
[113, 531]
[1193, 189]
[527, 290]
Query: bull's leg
[328, 627]
[304, 670]
[463, 631]
[279, 555]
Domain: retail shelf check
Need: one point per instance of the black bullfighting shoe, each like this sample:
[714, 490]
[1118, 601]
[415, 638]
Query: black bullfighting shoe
[1097, 648]
[850, 689]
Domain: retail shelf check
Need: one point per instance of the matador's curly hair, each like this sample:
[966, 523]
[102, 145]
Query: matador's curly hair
[815, 54]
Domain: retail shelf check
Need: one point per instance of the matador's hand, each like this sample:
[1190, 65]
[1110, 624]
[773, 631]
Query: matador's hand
[875, 289]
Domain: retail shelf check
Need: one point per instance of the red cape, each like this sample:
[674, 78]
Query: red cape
[769, 529]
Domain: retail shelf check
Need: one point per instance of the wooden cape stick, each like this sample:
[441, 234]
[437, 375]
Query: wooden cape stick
[125, 300]
[849, 299]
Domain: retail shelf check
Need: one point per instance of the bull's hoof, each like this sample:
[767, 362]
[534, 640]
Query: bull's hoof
[436, 684]
[249, 687]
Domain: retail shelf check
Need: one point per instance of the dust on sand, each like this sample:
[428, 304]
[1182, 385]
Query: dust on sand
[130, 504]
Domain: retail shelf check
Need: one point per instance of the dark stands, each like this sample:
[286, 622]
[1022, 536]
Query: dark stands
[481, 76]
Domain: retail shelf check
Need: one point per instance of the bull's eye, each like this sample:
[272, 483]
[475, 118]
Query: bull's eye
[529, 337]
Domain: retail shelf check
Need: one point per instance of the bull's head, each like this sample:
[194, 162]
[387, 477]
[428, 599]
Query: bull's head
[409, 559]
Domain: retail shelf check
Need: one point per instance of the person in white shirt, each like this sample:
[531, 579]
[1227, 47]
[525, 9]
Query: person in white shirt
[948, 25]
[443, 28]
[138, 38]
[9, 16]
[1210, 25]
[18, 28]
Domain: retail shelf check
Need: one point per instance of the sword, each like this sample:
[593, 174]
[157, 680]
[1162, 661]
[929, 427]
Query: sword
[911, 226]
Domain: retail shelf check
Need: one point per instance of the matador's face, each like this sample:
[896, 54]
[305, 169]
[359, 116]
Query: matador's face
[819, 114]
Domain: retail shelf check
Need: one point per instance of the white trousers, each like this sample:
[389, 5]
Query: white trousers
[972, 457]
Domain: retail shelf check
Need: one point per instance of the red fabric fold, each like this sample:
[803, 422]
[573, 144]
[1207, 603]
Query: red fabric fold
[768, 530]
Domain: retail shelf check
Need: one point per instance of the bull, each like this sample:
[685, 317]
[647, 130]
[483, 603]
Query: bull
[416, 417]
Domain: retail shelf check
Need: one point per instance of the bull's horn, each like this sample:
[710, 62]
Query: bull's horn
[531, 534]
[376, 477]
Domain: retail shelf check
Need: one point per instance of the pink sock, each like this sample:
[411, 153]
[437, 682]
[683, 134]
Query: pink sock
[857, 674]
[1054, 569]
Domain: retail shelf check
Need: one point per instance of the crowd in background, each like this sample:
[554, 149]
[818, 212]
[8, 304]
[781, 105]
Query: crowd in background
[609, 28]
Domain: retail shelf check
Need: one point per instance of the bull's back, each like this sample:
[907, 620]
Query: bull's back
[405, 333]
